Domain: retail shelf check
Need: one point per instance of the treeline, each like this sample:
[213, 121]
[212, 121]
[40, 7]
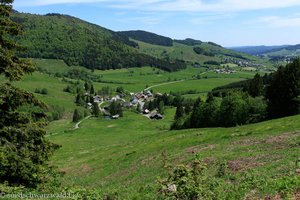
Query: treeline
[235, 109]
[272, 96]
[77, 42]
[172, 100]
[189, 42]
[255, 87]
[148, 37]
[203, 51]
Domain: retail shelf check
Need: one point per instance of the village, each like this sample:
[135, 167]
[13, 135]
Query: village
[134, 101]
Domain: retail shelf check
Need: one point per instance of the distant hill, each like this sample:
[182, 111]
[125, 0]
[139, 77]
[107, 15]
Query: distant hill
[148, 37]
[56, 36]
[199, 53]
[257, 50]
[276, 54]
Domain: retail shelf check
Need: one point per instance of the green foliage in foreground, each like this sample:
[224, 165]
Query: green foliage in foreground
[196, 181]
[124, 157]
[24, 150]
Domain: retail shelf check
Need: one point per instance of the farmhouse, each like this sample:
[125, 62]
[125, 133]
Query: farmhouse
[155, 115]
[97, 99]
[127, 105]
[115, 117]
[146, 111]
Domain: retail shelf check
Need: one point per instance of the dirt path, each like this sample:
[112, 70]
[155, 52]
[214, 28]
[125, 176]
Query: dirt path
[172, 82]
[78, 123]
[148, 88]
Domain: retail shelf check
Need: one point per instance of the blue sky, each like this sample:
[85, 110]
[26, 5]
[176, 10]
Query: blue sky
[226, 22]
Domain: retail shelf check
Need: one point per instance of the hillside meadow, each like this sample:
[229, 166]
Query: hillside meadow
[127, 157]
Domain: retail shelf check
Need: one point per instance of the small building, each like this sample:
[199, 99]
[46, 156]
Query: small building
[115, 117]
[146, 111]
[97, 99]
[135, 101]
[127, 105]
[155, 115]
[149, 94]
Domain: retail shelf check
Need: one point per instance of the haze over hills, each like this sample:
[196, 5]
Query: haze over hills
[273, 53]
[256, 50]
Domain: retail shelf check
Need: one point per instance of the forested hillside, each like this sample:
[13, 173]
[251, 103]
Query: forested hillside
[77, 42]
[148, 37]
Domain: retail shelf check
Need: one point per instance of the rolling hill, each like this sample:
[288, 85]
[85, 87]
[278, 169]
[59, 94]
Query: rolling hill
[56, 36]
[257, 50]
[192, 51]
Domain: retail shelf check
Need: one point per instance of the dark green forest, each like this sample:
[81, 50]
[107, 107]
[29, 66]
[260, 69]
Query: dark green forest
[147, 37]
[56, 36]
[189, 42]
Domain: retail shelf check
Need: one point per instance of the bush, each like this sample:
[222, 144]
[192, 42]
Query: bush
[41, 91]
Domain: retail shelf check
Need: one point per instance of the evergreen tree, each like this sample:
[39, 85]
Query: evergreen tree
[86, 86]
[151, 106]
[92, 91]
[76, 115]
[284, 91]
[115, 108]
[96, 110]
[24, 149]
[256, 86]
[179, 112]
[161, 107]
[79, 100]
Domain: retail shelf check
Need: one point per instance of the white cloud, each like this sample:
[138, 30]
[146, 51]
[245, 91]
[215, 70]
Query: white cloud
[177, 5]
[282, 22]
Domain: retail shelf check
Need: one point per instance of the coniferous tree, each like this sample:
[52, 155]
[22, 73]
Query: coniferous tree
[76, 115]
[96, 110]
[86, 86]
[283, 93]
[24, 150]
[256, 86]
[92, 91]
[179, 112]
[161, 107]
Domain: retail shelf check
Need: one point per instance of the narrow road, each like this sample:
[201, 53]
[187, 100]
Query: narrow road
[172, 82]
[78, 123]
[167, 83]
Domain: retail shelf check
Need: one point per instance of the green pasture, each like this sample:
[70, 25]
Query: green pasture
[127, 155]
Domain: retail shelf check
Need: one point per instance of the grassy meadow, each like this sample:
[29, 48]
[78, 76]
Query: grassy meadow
[127, 156]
